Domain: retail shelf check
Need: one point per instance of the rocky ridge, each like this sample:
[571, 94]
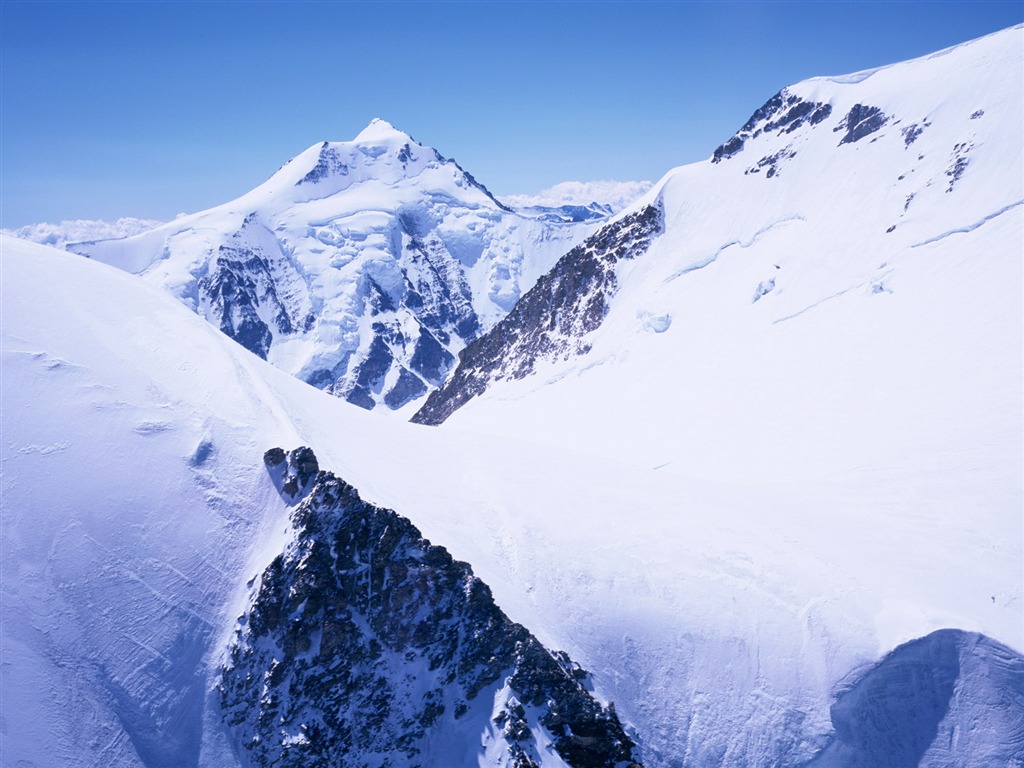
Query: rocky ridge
[364, 640]
[553, 319]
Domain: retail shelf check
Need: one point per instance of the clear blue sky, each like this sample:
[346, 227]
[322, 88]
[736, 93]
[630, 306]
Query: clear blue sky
[153, 108]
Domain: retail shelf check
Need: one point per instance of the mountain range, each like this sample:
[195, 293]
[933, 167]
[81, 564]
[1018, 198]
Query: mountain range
[731, 476]
[361, 267]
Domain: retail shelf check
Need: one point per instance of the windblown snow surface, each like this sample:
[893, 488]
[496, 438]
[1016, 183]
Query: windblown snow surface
[794, 445]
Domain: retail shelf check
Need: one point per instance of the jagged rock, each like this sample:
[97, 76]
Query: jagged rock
[958, 163]
[784, 112]
[912, 132]
[772, 162]
[862, 120]
[328, 164]
[292, 472]
[552, 319]
[274, 457]
[408, 387]
[363, 639]
[240, 290]
[728, 149]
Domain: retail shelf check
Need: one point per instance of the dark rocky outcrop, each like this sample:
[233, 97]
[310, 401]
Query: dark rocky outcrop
[771, 163]
[240, 292]
[727, 150]
[958, 163]
[862, 120]
[552, 319]
[293, 473]
[408, 387]
[329, 163]
[783, 113]
[363, 640]
[912, 132]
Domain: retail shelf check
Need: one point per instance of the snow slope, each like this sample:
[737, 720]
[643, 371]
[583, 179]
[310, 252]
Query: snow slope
[842, 315]
[130, 504]
[721, 520]
[829, 326]
[361, 267]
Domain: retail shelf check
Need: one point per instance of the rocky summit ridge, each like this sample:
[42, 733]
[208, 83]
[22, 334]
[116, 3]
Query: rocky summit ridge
[365, 640]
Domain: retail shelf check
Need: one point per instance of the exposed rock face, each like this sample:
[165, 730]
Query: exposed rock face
[293, 474]
[328, 164]
[364, 641]
[361, 267]
[783, 113]
[419, 306]
[950, 698]
[958, 163]
[552, 319]
[252, 292]
[862, 120]
[913, 131]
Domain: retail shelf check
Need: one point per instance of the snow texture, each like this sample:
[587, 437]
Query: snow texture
[729, 522]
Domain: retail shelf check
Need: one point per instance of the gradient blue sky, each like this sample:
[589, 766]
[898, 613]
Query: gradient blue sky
[149, 109]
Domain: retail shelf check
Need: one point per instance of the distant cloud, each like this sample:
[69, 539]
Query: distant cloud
[81, 230]
[615, 194]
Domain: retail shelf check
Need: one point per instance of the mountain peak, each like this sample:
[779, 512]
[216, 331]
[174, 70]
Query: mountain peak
[380, 130]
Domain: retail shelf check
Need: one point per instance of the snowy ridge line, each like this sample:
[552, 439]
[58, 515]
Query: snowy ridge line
[553, 318]
[970, 227]
[749, 243]
[858, 77]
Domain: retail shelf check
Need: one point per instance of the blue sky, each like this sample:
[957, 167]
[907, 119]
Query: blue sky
[153, 108]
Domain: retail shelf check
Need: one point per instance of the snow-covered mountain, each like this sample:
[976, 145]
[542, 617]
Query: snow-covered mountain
[764, 490]
[361, 267]
[794, 239]
[951, 698]
[183, 597]
[833, 302]
[611, 196]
